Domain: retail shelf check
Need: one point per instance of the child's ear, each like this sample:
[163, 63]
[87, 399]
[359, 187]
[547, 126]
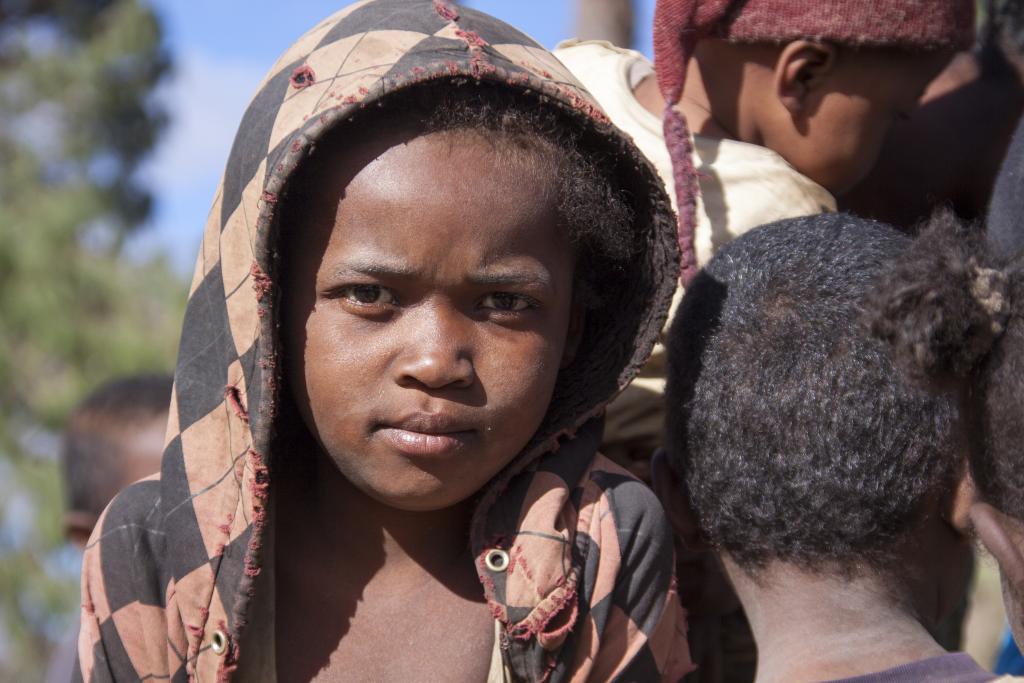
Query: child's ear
[674, 497]
[1003, 537]
[800, 68]
[577, 320]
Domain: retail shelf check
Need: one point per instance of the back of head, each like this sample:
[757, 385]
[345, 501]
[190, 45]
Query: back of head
[953, 309]
[797, 440]
[910, 25]
[96, 455]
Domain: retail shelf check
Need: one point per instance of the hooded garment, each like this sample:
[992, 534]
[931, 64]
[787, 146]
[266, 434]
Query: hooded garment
[180, 563]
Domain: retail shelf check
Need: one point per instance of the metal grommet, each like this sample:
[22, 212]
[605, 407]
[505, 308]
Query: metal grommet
[496, 560]
[219, 642]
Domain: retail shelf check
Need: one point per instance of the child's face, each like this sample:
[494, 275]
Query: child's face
[836, 134]
[139, 448]
[426, 314]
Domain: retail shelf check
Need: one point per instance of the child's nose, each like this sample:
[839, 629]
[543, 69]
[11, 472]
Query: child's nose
[438, 354]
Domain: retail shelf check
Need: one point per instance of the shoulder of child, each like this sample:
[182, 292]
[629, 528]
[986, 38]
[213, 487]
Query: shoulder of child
[632, 528]
[125, 590]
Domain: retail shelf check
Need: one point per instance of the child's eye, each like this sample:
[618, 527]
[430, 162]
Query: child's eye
[504, 301]
[367, 295]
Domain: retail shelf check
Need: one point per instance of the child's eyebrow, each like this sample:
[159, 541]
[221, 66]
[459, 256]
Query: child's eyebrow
[496, 276]
[376, 268]
[512, 276]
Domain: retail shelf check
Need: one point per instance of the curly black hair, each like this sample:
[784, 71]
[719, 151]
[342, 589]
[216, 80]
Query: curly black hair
[796, 437]
[525, 130]
[953, 311]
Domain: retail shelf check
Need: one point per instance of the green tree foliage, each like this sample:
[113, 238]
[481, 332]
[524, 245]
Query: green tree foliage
[77, 116]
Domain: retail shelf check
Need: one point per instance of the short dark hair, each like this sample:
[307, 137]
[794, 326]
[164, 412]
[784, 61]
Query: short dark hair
[953, 310]
[592, 205]
[90, 451]
[795, 436]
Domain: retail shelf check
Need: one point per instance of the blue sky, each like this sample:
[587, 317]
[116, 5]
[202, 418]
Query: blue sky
[221, 49]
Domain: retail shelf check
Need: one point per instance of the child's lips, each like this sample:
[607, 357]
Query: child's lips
[423, 443]
[427, 434]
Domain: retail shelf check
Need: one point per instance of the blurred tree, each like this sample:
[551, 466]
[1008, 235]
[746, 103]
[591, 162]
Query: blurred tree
[610, 20]
[77, 116]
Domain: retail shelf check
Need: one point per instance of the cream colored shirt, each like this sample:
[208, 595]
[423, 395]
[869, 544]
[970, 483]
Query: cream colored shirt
[741, 186]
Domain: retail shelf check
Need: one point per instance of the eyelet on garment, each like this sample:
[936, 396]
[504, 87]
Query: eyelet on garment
[496, 560]
[219, 643]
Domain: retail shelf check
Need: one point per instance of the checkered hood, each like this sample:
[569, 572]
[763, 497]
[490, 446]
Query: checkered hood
[181, 553]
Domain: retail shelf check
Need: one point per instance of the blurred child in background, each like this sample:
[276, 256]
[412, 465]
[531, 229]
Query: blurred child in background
[114, 437]
[948, 151]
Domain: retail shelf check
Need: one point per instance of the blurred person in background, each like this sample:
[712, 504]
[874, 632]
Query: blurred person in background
[113, 438]
[948, 150]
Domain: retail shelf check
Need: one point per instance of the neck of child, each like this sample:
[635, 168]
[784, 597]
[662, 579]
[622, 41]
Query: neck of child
[819, 627]
[356, 529]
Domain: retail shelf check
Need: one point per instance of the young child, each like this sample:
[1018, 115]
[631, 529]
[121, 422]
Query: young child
[826, 482]
[760, 111]
[113, 438]
[429, 266]
[922, 166]
[953, 311]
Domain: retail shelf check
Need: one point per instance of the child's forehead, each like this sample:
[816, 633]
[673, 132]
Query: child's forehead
[425, 200]
[471, 166]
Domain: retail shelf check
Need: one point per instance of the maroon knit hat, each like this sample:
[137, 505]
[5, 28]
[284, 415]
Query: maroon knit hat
[680, 24]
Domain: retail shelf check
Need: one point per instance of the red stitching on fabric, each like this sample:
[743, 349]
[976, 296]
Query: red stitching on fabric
[479, 65]
[234, 397]
[258, 487]
[447, 12]
[302, 77]
[260, 281]
[472, 38]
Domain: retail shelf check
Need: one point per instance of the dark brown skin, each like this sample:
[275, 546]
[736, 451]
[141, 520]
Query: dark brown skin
[822, 625]
[427, 313]
[1003, 537]
[823, 108]
[950, 149]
